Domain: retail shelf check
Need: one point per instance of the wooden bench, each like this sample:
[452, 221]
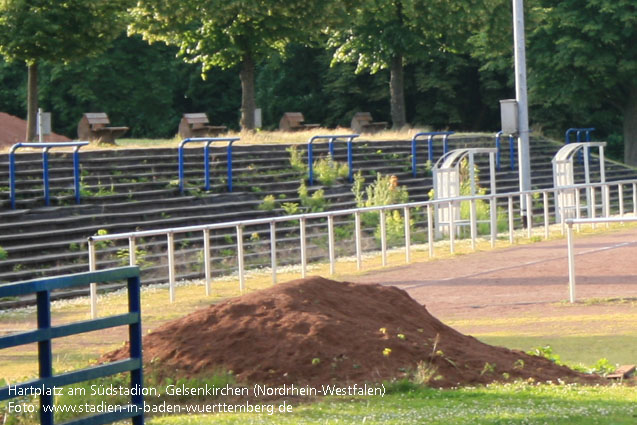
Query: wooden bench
[294, 121]
[362, 123]
[94, 126]
[196, 125]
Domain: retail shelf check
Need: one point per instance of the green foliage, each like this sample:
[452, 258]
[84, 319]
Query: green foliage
[297, 160]
[312, 203]
[381, 192]
[290, 208]
[268, 204]
[3, 254]
[327, 171]
[38, 30]
[140, 257]
[546, 351]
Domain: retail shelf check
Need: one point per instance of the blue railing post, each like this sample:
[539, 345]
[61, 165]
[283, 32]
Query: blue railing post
[229, 164]
[430, 146]
[46, 332]
[76, 173]
[578, 131]
[45, 175]
[12, 177]
[497, 146]
[512, 151]
[45, 355]
[45, 167]
[350, 159]
[310, 164]
[206, 149]
[331, 139]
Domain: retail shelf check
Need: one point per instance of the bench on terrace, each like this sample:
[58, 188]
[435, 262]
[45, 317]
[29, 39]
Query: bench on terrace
[294, 121]
[362, 123]
[95, 126]
[196, 125]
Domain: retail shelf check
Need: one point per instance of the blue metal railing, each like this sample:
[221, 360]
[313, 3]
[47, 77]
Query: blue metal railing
[578, 132]
[430, 149]
[206, 151]
[498, 135]
[46, 333]
[45, 167]
[331, 139]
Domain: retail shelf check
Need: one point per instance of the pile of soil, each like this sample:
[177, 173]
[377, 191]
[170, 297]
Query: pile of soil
[13, 130]
[316, 331]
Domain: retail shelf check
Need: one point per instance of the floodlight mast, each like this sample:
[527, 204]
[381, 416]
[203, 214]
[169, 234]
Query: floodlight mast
[524, 156]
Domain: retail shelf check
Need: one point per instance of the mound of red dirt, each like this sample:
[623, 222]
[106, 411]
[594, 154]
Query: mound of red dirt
[13, 130]
[317, 331]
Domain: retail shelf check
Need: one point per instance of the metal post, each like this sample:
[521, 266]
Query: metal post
[350, 160]
[407, 214]
[330, 243]
[445, 144]
[45, 175]
[76, 173]
[383, 237]
[571, 263]
[12, 178]
[545, 201]
[512, 152]
[497, 146]
[593, 211]
[510, 208]
[494, 220]
[330, 145]
[229, 164]
[430, 148]
[620, 193]
[430, 231]
[452, 228]
[132, 251]
[206, 165]
[524, 156]
[206, 261]
[606, 203]
[529, 215]
[171, 265]
[303, 247]
[273, 250]
[578, 209]
[45, 355]
[310, 164]
[180, 164]
[413, 156]
[135, 349]
[357, 237]
[240, 258]
[92, 266]
[473, 224]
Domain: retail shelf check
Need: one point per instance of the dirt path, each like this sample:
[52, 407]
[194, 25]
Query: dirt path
[528, 278]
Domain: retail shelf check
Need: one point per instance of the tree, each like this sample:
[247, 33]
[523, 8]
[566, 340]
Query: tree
[34, 31]
[228, 33]
[583, 53]
[388, 34]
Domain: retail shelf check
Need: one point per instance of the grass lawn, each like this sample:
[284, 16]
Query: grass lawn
[517, 403]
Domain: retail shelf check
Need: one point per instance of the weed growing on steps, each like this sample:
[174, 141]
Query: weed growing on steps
[3, 254]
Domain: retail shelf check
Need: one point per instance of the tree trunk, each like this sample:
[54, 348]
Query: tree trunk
[397, 92]
[32, 101]
[248, 103]
[630, 128]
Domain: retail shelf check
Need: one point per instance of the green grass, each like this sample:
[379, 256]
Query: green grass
[517, 403]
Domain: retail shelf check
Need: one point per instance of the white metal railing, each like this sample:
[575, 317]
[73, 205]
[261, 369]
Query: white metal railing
[570, 242]
[526, 198]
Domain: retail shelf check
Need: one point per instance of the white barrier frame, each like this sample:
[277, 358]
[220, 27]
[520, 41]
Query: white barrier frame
[571, 244]
[329, 215]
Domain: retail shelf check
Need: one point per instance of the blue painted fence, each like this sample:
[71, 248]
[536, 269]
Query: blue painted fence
[430, 146]
[348, 138]
[45, 166]
[206, 160]
[46, 333]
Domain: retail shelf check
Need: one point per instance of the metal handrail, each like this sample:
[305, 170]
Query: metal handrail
[430, 149]
[206, 150]
[332, 139]
[239, 225]
[45, 167]
[578, 131]
[498, 135]
[571, 244]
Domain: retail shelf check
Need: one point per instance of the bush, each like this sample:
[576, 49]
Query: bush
[327, 171]
[268, 204]
[3, 254]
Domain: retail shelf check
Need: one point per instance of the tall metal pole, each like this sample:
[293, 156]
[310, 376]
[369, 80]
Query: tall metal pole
[524, 156]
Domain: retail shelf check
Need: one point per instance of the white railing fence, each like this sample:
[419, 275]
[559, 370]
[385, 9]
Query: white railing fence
[571, 243]
[502, 202]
